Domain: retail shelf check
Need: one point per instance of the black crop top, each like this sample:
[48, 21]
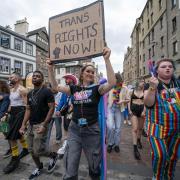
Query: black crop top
[135, 97]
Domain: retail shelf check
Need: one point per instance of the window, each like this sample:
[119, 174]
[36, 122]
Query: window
[142, 19]
[18, 45]
[142, 31]
[151, 3]
[153, 52]
[152, 21]
[144, 57]
[152, 34]
[18, 67]
[143, 44]
[161, 22]
[29, 68]
[140, 58]
[147, 9]
[149, 38]
[173, 3]
[144, 70]
[148, 23]
[162, 42]
[174, 25]
[29, 49]
[5, 40]
[4, 65]
[150, 53]
[160, 4]
[175, 48]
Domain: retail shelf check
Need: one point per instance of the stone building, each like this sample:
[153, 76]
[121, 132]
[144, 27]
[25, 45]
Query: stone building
[40, 36]
[157, 36]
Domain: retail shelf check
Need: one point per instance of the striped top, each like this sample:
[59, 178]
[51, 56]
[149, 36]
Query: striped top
[163, 118]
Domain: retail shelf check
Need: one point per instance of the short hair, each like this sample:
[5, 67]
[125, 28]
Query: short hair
[18, 75]
[118, 78]
[39, 72]
[164, 60]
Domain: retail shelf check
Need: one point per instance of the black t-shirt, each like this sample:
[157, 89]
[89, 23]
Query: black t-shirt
[38, 100]
[85, 102]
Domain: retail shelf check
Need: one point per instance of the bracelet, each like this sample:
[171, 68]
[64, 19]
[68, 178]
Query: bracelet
[152, 88]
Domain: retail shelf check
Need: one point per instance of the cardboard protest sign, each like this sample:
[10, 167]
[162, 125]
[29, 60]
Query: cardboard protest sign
[77, 34]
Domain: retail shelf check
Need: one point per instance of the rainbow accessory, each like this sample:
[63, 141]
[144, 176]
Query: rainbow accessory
[102, 123]
[116, 93]
[151, 67]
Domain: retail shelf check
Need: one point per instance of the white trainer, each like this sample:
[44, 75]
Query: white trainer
[61, 151]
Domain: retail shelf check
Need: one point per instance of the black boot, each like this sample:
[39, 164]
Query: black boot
[23, 153]
[109, 148]
[13, 164]
[139, 145]
[136, 153]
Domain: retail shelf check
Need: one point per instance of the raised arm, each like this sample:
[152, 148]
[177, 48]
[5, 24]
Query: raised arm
[150, 94]
[111, 80]
[55, 86]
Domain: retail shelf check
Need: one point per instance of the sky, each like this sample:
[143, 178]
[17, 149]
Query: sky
[120, 18]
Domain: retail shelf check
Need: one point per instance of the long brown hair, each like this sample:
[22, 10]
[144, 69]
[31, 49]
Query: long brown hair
[81, 73]
[4, 88]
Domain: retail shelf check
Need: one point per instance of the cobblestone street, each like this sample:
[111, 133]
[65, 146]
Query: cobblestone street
[120, 166]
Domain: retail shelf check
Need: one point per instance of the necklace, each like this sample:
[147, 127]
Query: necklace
[35, 94]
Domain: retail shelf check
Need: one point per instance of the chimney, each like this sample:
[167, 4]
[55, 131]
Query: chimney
[21, 27]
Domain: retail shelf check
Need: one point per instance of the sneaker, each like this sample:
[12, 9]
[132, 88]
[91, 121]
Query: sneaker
[52, 163]
[36, 172]
[23, 153]
[116, 149]
[139, 145]
[137, 155]
[13, 164]
[109, 148]
[129, 123]
[61, 151]
[125, 122]
[7, 154]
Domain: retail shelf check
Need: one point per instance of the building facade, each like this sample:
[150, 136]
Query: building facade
[40, 36]
[17, 53]
[157, 36]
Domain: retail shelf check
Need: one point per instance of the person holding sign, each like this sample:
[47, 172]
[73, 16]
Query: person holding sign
[84, 131]
[162, 99]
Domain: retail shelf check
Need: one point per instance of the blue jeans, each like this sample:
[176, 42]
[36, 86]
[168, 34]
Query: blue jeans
[114, 119]
[58, 122]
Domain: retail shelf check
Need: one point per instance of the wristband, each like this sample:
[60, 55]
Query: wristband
[152, 88]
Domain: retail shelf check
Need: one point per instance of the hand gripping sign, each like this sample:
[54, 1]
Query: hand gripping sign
[77, 34]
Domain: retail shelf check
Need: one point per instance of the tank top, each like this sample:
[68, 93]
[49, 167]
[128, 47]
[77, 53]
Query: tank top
[16, 99]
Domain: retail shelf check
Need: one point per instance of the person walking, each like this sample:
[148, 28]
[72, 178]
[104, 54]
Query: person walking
[39, 111]
[114, 116]
[56, 118]
[84, 132]
[137, 113]
[162, 100]
[65, 109]
[18, 97]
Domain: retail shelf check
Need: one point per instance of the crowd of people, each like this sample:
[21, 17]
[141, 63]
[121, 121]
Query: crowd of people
[151, 109]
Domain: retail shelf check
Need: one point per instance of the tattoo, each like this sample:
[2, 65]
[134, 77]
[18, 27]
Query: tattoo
[101, 89]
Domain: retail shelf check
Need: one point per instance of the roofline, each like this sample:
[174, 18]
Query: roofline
[17, 35]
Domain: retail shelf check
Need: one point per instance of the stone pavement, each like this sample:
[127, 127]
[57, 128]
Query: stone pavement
[121, 166]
